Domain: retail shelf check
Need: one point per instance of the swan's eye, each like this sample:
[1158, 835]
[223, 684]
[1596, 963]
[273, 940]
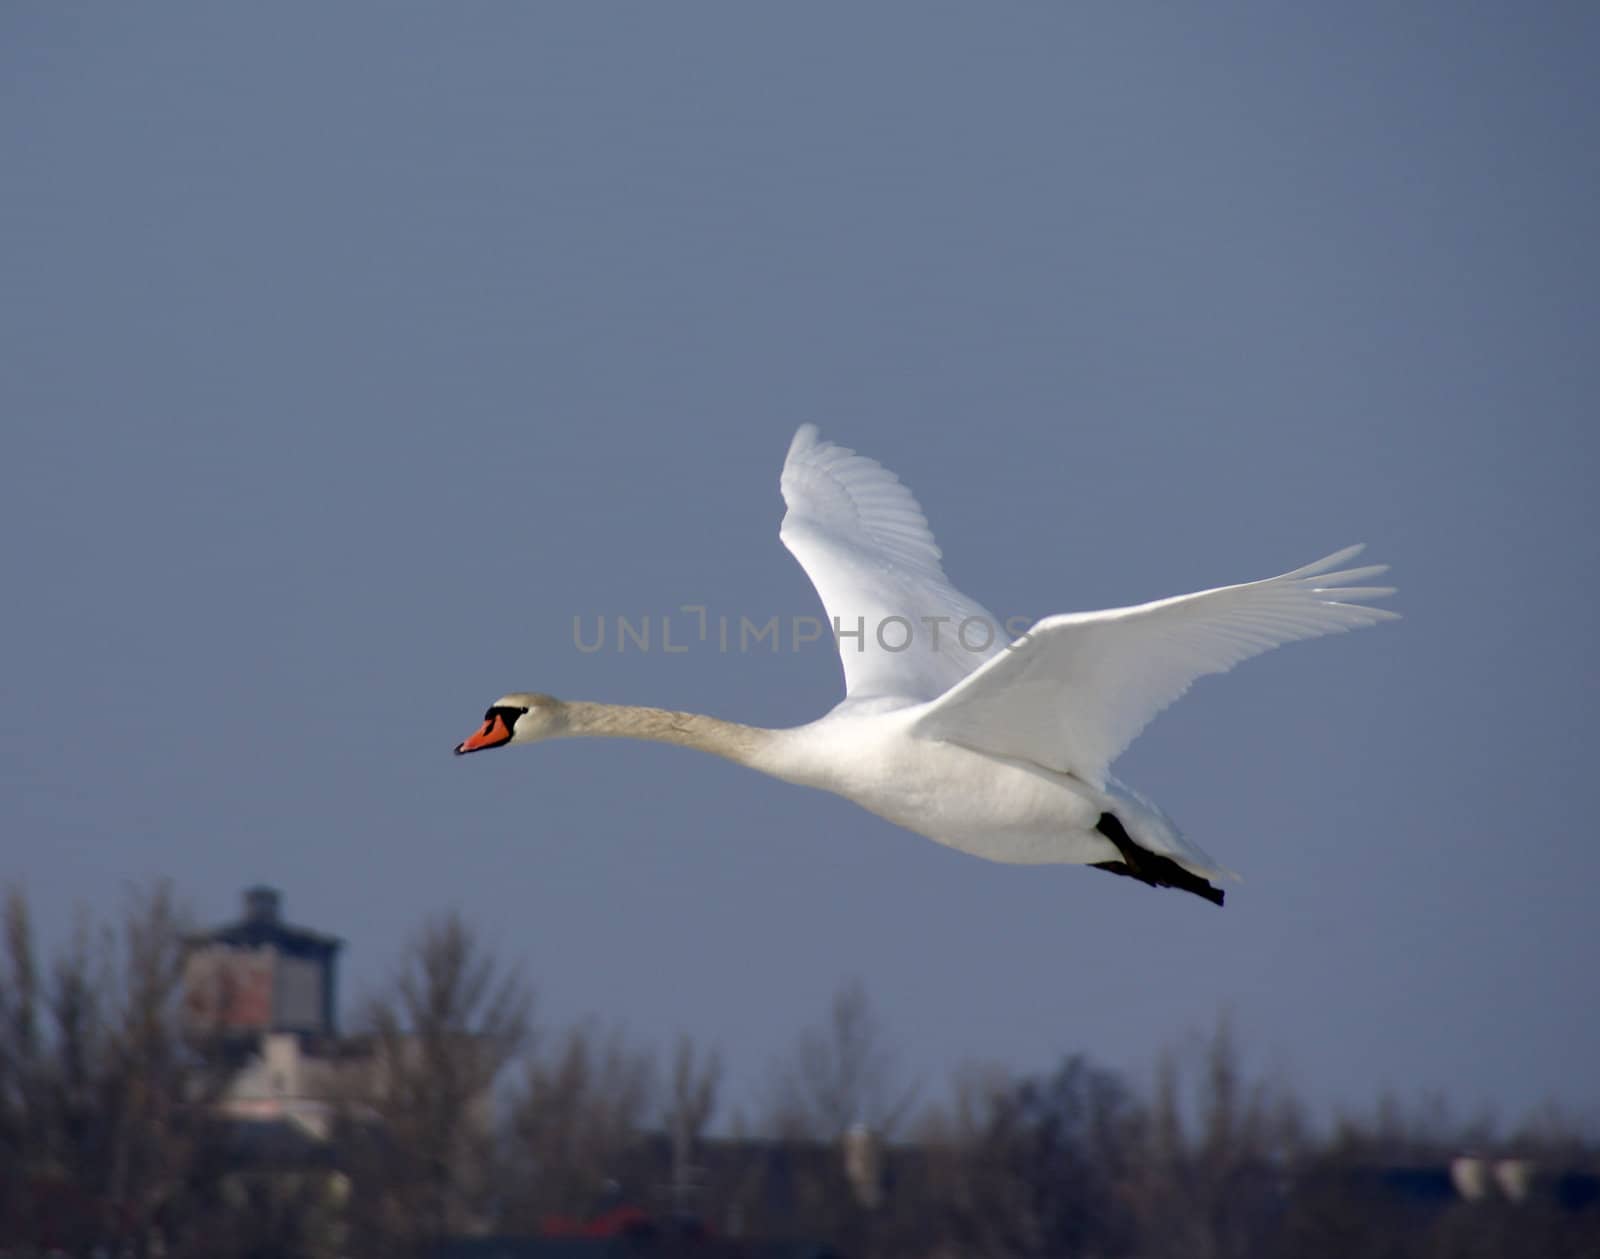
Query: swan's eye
[503, 713]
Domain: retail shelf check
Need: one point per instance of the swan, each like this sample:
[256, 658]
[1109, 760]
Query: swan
[997, 747]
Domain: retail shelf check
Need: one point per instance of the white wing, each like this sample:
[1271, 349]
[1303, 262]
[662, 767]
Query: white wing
[866, 546]
[1074, 691]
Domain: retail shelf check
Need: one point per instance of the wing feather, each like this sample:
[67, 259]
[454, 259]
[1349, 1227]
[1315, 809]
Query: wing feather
[865, 544]
[1073, 692]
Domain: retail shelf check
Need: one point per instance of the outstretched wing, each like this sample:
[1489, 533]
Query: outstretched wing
[866, 546]
[1074, 691]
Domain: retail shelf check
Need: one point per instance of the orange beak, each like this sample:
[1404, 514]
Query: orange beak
[491, 735]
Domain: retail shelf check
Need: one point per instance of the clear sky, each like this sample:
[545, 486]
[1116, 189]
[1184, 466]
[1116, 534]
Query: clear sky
[348, 352]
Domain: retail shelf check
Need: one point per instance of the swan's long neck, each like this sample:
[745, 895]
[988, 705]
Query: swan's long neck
[729, 739]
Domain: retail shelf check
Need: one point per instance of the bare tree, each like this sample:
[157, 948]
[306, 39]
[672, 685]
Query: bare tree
[575, 1125]
[1218, 1147]
[692, 1100]
[419, 1125]
[840, 1074]
[19, 1059]
[834, 1099]
[104, 1104]
[1037, 1166]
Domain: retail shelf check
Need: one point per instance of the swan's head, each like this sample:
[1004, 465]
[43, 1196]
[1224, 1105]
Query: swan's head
[519, 718]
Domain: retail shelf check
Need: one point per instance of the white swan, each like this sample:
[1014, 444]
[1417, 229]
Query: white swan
[1001, 749]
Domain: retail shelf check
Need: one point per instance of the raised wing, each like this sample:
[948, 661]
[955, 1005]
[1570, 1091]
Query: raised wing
[1074, 691]
[866, 546]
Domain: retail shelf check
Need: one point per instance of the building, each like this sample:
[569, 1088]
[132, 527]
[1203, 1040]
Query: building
[268, 991]
[259, 976]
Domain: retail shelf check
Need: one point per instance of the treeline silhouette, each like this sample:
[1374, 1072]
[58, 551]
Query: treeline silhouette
[469, 1120]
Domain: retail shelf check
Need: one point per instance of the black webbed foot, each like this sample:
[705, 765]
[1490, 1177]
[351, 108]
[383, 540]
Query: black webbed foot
[1150, 867]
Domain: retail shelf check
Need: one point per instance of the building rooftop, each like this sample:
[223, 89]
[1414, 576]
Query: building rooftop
[263, 924]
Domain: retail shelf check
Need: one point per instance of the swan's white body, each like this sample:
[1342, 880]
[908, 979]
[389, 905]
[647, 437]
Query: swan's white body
[998, 748]
[990, 806]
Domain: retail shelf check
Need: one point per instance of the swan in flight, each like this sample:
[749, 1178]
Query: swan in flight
[999, 748]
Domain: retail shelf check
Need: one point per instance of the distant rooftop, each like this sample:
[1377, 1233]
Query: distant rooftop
[263, 924]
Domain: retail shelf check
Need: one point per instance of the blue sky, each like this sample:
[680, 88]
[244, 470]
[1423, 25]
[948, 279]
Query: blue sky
[347, 353]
